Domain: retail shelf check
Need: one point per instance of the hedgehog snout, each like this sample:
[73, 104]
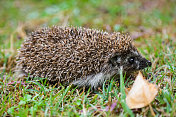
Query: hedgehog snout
[149, 63]
[145, 63]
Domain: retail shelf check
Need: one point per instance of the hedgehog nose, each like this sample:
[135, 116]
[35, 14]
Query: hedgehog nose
[149, 63]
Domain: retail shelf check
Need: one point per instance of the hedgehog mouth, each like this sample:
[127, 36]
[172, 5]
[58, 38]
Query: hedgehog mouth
[142, 67]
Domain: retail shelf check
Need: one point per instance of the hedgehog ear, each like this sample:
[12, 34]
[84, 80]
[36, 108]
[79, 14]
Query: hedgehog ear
[115, 59]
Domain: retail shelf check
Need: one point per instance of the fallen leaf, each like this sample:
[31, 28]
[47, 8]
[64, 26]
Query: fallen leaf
[142, 93]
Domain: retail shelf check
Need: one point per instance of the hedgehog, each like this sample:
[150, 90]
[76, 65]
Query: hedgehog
[80, 56]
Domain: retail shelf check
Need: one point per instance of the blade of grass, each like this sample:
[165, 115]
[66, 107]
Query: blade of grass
[123, 95]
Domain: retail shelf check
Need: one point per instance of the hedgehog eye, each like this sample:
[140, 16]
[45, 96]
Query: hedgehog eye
[131, 60]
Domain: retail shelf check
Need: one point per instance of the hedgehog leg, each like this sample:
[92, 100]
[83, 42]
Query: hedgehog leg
[92, 81]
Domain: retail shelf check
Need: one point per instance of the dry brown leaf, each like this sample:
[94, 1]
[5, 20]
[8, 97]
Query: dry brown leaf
[142, 93]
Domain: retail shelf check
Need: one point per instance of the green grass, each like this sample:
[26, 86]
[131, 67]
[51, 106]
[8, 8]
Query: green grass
[151, 23]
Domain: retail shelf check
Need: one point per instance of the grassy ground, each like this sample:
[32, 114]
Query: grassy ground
[151, 23]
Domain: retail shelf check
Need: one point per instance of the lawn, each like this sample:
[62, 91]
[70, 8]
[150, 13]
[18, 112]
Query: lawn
[151, 25]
